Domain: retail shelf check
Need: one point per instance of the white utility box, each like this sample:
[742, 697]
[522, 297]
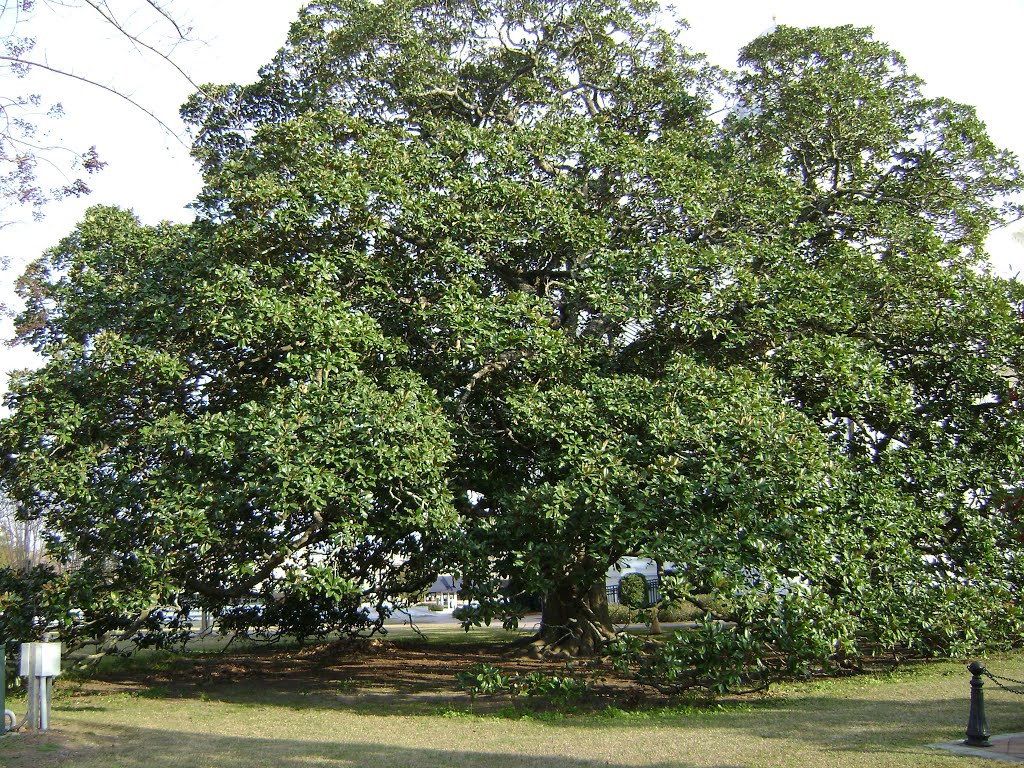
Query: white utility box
[40, 660]
[40, 663]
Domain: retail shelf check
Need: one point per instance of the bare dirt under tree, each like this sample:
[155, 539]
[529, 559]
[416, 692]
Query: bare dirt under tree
[352, 672]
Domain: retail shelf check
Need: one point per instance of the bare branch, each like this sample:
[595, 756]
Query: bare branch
[104, 10]
[312, 534]
[110, 640]
[102, 87]
[183, 34]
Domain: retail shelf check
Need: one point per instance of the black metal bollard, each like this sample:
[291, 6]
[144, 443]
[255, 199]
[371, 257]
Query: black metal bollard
[3, 687]
[977, 723]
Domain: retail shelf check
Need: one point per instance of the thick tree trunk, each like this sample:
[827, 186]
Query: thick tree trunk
[573, 624]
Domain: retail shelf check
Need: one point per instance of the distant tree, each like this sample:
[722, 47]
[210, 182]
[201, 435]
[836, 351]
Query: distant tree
[633, 592]
[23, 144]
[21, 545]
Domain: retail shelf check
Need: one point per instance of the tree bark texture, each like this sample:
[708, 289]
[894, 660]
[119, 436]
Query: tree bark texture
[573, 624]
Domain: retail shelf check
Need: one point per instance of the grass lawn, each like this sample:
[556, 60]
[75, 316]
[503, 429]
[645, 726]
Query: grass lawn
[375, 709]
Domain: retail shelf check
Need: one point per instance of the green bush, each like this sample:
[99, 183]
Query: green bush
[483, 679]
[633, 591]
[680, 611]
[773, 637]
[675, 612]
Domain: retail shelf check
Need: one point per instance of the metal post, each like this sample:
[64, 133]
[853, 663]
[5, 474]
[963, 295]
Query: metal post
[44, 703]
[977, 724]
[3, 687]
[31, 704]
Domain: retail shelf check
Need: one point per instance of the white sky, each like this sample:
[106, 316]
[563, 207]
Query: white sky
[965, 51]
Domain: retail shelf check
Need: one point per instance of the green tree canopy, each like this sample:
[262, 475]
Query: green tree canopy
[196, 435]
[489, 283]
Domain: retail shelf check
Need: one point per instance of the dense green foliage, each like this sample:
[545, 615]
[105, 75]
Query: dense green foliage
[488, 284]
[205, 451]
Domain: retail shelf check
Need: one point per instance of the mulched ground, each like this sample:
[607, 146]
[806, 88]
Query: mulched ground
[355, 671]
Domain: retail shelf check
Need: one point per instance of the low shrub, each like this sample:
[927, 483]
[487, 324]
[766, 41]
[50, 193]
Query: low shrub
[674, 612]
[487, 680]
[619, 614]
[483, 679]
[772, 637]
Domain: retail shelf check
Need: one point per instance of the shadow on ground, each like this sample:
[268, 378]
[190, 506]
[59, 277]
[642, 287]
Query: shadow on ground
[822, 724]
[150, 748]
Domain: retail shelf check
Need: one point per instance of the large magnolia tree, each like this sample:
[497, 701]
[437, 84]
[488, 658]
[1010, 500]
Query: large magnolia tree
[494, 285]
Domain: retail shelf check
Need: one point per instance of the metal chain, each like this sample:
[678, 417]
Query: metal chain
[996, 678]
